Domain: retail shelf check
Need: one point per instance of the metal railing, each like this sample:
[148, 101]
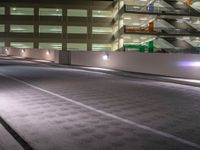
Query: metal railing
[177, 50]
[136, 29]
[162, 10]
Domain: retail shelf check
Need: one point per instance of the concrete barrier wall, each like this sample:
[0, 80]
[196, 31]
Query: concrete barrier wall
[176, 65]
[42, 54]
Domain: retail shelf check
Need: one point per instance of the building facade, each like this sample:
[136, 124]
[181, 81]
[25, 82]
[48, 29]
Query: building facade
[62, 25]
[170, 26]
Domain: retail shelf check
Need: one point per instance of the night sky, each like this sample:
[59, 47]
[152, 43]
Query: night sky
[41, 1]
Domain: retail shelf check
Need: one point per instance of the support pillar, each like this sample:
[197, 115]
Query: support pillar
[150, 46]
[142, 48]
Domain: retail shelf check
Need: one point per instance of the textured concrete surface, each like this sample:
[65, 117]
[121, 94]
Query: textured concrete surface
[7, 142]
[50, 122]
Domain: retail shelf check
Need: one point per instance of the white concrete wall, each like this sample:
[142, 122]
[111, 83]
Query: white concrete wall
[42, 54]
[177, 65]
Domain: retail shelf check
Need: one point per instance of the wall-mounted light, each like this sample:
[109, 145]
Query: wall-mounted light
[48, 52]
[6, 51]
[23, 51]
[105, 57]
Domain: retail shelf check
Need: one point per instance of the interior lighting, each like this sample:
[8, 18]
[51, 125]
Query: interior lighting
[136, 41]
[127, 18]
[143, 19]
[136, 7]
[186, 18]
[143, 38]
[180, 3]
[197, 22]
[136, 24]
[197, 38]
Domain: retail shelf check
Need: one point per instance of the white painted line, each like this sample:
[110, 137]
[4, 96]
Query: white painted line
[7, 141]
[155, 131]
[185, 80]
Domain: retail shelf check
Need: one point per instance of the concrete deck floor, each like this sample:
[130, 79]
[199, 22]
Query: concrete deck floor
[7, 142]
[63, 108]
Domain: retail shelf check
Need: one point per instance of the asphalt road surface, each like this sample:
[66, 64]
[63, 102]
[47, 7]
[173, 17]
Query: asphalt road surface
[68, 108]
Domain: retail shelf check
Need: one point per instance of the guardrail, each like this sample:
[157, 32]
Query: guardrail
[136, 29]
[180, 50]
[162, 10]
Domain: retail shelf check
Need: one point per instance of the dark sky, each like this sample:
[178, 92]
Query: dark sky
[55, 2]
[41, 1]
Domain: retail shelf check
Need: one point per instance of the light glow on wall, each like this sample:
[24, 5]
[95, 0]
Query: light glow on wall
[189, 63]
[23, 51]
[48, 52]
[105, 57]
[6, 51]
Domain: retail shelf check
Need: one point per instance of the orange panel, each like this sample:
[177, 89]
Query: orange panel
[151, 27]
[189, 2]
[135, 30]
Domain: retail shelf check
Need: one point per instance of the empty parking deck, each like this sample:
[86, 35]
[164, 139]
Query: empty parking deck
[69, 108]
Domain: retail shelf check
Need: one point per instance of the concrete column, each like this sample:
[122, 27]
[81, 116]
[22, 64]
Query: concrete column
[90, 24]
[36, 27]
[7, 13]
[7, 25]
[64, 28]
[150, 46]
[62, 57]
[66, 22]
